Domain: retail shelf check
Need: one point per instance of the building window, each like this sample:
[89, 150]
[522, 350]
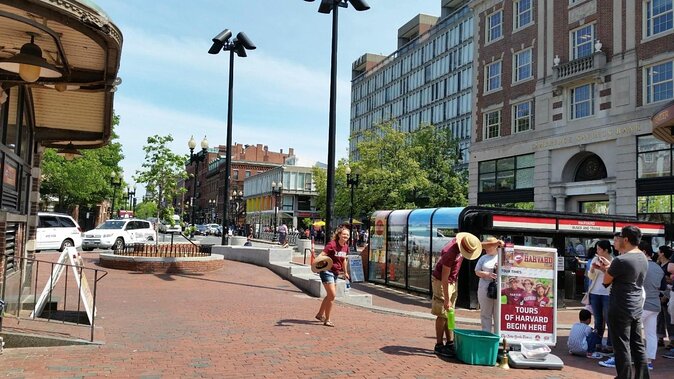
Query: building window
[522, 13]
[493, 77]
[656, 208]
[492, 124]
[658, 16]
[523, 116]
[236, 175]
[582, 101]
[494, 26]
[659, 82]
[523, 65]
[582, 41]
[654, 158]
[593, 207]
[506, 173]
[247, 174]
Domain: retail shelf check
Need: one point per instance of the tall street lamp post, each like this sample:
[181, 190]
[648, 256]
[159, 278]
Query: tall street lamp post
[198, 157]
[115, 182]
[236, 197]
[131, 198]
[352, 182]
[326, 7]
[276, 190]
[239, 45]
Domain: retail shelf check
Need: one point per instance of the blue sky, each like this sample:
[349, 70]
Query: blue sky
[171, 85]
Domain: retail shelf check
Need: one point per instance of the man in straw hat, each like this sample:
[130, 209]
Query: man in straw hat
[444, 285]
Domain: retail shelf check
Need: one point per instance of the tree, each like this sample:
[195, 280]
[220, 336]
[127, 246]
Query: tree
[161, 172]
[399, 171]
[146, 209]
[82, 181]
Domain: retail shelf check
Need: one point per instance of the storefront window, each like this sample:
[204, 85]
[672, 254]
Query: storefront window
[507, 173]
[657, 208]
[654, 157]
[594, 207]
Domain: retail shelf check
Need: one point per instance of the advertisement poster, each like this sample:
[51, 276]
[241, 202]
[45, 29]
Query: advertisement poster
[528, 286]
[377, 264]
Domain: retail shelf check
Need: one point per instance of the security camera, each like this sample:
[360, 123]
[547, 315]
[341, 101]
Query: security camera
[244, 41]
[219, 41]
[240, 50]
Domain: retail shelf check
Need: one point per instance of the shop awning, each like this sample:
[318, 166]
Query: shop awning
[663, 123]
[79, 39]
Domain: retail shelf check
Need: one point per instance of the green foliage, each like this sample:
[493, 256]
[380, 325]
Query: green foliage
[82, 181]
[398, 170]
[146, 209]
[161, 172]
[307, 222]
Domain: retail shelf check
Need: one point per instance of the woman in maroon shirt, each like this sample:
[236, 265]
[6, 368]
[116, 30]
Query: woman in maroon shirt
[336, 250]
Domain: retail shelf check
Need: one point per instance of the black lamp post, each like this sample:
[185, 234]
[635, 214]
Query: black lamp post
[276, 190]
[130, 198]
[198, 157]
[326, 7]
[115, 182]
[211, 206]
[239, 46]
[352, 181]
[237, 198]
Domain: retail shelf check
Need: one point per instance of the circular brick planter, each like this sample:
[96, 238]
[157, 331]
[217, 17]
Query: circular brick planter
[162, 264]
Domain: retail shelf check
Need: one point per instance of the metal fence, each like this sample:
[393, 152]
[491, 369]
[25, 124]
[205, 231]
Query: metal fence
[172, 250]
[291, 237]
[63, 290]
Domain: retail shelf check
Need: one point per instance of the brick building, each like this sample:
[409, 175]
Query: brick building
[247, 160]
[564, 93]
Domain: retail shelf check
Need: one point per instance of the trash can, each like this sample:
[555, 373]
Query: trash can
[569, 284]
[206, 248]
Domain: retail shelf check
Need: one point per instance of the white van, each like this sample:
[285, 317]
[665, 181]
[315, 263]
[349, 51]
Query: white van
[56, 231]
[166, 227]
[115, 234]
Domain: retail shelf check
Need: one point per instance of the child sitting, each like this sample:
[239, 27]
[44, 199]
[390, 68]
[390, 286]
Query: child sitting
[582, 339]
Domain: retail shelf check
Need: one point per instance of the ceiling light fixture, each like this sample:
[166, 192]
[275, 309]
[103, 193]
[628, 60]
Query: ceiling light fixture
[69, 152]
[29, 63]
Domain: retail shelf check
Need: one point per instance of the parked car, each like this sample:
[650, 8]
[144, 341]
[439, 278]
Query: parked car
[116, 234]
[213, 229]
[201, 230]
[166, 227]
[56, 231]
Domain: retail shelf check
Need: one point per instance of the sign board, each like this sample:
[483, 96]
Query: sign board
[69, 257]
[560, 263]
[523, 222]
[528, 285]
[586, 225]
[356, 268]
[645, 228]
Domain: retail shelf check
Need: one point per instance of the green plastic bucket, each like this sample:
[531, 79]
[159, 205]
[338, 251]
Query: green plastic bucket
[476, 347]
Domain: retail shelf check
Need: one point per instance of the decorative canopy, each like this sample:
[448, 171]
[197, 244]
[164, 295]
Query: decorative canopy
[78, 40]
[663, 123]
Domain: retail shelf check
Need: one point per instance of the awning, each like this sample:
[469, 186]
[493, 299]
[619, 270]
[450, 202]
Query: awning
[79, 39]
[663, 123]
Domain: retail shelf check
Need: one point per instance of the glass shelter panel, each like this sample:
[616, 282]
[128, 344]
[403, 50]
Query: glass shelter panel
[396, 237]
[377, 259]
[419, 242]
[444, 226]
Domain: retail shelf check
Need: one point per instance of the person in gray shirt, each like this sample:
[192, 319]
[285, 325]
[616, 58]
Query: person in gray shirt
[626, 274]
[653, 284]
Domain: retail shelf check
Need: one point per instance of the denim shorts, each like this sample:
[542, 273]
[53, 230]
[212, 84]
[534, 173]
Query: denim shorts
[328, 277]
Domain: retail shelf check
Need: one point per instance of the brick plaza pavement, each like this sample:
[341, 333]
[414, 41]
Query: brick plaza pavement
[245, 321]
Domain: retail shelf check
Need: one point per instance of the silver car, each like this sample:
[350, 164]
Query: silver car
[116, 234]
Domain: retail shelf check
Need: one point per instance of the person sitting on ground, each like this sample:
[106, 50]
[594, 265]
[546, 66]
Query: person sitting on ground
[582, 338]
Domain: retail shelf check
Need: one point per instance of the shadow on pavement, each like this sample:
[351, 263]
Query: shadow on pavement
[406, 350]
[392, 295]
[292, 321]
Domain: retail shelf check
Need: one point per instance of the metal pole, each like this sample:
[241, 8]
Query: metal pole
[353, 240]
[228, 157]
[275, 216]
[332, 127]
[114, 195]
[194, 188]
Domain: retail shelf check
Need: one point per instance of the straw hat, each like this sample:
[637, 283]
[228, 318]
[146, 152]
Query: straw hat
[491, 240]
[469, 245]
[321, 263]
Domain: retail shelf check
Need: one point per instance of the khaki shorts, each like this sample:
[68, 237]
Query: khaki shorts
[438, 302]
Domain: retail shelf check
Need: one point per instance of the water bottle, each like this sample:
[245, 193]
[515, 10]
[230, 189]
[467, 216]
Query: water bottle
[348, 284]
[451, 322]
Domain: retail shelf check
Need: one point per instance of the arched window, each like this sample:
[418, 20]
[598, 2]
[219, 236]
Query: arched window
[591, 168]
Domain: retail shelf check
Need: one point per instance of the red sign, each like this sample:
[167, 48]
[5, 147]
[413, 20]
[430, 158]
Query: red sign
[520, 222]
[379, 227]
[586, 225]
[646, 228]
[9, 176]
[519, 318]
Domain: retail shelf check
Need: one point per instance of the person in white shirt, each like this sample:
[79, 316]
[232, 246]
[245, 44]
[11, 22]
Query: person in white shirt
[582, 339]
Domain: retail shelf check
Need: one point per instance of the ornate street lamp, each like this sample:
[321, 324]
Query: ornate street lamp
[131, 199]
[352, 181]
[198, 157]
[115, 182]
[237, 198]
[276, 190]
[326, 7]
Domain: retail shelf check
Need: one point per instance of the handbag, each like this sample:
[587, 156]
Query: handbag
[492, 290]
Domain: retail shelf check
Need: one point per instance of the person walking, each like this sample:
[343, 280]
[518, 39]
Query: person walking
[283, 234]
[599, 295]
[665, 326]
[654, 283]
[626, 274]
[336, 250]
[444, 285]
[485, 269]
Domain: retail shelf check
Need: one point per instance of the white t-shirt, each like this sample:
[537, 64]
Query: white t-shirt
[486, 263]
[597, 285]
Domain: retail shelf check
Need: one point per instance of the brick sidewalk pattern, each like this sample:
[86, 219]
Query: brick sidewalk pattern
[244, 321]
